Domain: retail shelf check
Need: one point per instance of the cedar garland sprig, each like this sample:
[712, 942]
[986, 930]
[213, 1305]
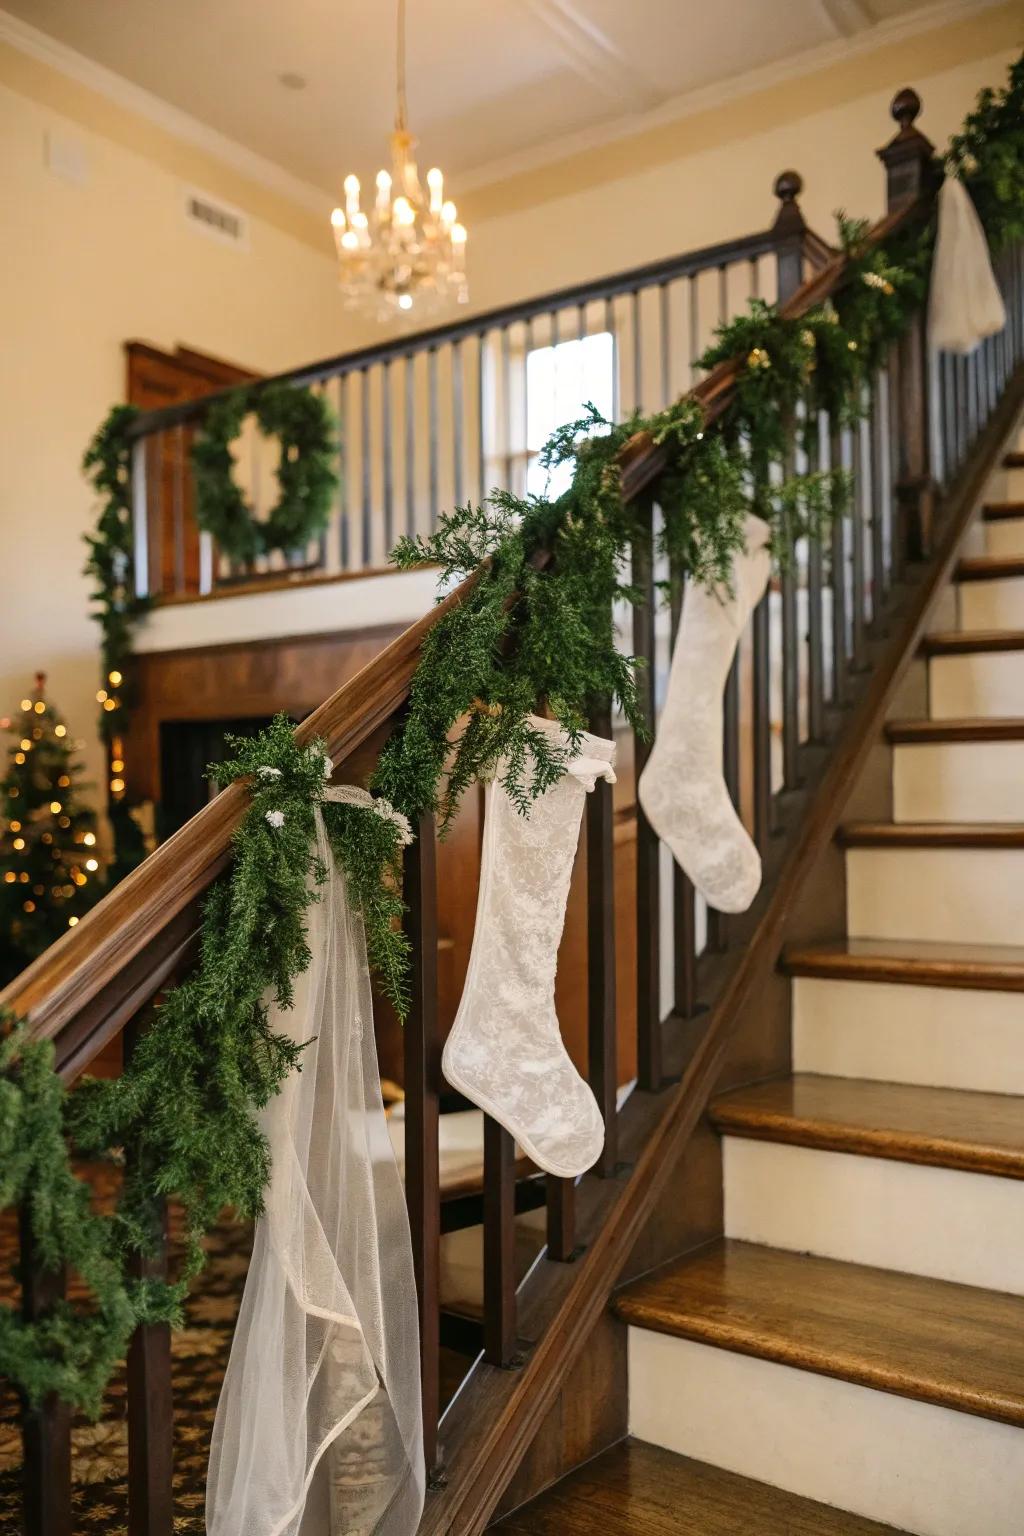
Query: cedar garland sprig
[182, 1117]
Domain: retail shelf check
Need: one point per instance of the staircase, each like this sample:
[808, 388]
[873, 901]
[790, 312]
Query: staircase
[857, 1337]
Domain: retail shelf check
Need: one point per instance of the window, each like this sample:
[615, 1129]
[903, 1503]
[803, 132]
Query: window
[560, 380]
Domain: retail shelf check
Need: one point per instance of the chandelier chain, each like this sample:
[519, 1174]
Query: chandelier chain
[401, 110]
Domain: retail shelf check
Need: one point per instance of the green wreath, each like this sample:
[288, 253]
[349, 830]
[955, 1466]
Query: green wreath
[306, 476]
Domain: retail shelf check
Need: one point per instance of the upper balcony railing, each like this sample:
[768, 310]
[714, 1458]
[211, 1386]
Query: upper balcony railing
[431, 419]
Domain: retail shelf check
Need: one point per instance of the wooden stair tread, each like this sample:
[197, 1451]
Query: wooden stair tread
[981, 967]
[636, 1489]
[990, 567]
[955, 1345]
[1002, 511]
[928, 834]
[941, 1127]
[1014, 459]
[958, 642]
[977, 728]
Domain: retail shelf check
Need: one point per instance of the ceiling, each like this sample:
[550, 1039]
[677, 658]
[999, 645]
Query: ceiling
[490, 84]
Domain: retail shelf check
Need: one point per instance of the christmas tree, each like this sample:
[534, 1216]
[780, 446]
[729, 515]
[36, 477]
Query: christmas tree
[48, 863]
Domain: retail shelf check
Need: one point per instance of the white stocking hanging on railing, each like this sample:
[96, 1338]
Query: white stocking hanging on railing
[318, 1429]
[965, 304]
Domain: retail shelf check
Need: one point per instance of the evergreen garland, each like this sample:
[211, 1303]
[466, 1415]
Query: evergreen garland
[536, 625]
[183, 1112]
[304, 426]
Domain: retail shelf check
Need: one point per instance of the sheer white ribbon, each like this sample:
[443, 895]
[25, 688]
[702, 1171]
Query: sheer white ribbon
[965, 304]
[318, 1429]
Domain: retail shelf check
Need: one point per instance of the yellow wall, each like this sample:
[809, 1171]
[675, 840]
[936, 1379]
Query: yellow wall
[83, 268]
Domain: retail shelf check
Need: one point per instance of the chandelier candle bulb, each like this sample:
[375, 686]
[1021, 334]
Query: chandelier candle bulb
[435, 181]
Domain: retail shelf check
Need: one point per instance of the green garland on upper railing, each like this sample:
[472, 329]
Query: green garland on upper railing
[182, 1115]
[536, 624]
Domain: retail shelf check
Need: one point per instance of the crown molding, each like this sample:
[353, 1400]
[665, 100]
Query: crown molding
[927, 19]
[181, 125]
[591, 53]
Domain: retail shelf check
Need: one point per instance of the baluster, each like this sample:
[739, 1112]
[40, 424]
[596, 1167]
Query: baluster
[364, 424]
[140, 516]
[815, 614]
[684, 902]
[422, 1059]
[178, 506]
[861, 490]
[432, 433]
[458, 392]
[665, 337]
[789, 230]
[909, 162]
[499, 1245]
[410, 444]
[527, 348]
[762, 722]
[46, 1429]
[389, 473]
[150, 1387]
[481, 436]
[879, 578]
[838, 585]
[602, 1019]
[506, 405]
[696, 349]
[561, 1220]
[638, 360]
[610, 327]
[344, 530]
[648, 923]
[718, 922]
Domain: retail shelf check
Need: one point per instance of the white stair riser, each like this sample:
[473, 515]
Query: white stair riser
[937, 1037]
[941, 1222]
[1006, 484]
[913, 1465]
[959, 781]
[995, 604]
[951, 895]
[989, 684]
[1004, 537]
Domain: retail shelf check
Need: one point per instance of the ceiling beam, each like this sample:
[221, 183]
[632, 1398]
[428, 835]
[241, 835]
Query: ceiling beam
[593, 55]
[847, 17]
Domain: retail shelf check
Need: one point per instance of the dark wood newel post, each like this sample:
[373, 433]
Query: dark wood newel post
[789, 230]
[911, 173]
[46, 1429]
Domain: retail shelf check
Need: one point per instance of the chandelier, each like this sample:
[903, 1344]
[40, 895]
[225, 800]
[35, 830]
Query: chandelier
[408, 249]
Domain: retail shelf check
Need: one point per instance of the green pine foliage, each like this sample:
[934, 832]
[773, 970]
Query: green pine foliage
[182, 1117]
[305, 428]
[48, 864]
[988, 155]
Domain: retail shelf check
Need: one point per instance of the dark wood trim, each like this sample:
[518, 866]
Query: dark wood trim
[923, 834]
[496, 1415]
[980, 729]
[937, 1127]
[297, 579]
[975, 967]
[957, 1346]
[979, 642]
[1002, 511]
[990, 568]
[1013, 460]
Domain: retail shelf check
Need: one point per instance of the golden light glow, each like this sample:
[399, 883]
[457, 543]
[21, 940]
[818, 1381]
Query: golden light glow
[29, 906]
[10, 877]
[109, 704]
[72, 921]
[60, 730]
[114, 678]
[26, 703]
[101, 695]
[25, 744]
[92, 864]
[64, 821]
[89, 839]
[40, 707]
[19, 757]
[15, 826]
[116, 786]
[63, 781]
[19, 843]
[56, 807]
[23, 877]
[117, 765]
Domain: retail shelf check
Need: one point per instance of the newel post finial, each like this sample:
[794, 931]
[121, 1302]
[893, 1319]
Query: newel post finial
[909, 157]
[789, 230]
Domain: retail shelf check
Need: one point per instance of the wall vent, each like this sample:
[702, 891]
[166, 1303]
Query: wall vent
[217, 219]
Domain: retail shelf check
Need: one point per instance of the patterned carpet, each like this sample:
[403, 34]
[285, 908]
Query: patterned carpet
[100, 1451]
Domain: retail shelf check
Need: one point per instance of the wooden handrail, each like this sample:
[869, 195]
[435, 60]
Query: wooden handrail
[643, 460]
[95, 975]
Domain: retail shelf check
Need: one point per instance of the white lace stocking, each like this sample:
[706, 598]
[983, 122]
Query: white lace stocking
[682, 788]
[505, 1051]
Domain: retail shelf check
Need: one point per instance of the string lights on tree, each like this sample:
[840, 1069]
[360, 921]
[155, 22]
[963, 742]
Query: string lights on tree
[48, 859]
